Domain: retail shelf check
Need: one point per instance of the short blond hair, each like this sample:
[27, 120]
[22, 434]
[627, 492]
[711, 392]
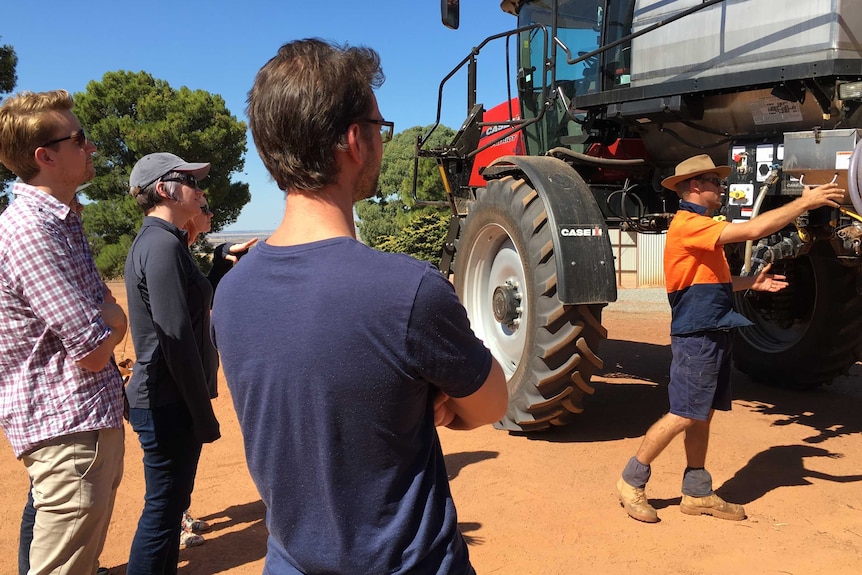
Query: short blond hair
[25, 123]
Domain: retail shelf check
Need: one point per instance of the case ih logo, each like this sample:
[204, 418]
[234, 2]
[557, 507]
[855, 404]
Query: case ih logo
[580, 231]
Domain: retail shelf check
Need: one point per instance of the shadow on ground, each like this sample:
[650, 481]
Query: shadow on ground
[455, 462]
[625, 360]
[778, 466]
[631, 395]
[223, 551]
[226, 546]
[467, 528]
[830, 411]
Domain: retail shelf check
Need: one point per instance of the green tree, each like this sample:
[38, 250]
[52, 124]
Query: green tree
[422, 238]
[396, 167]
[391, 221]
[8, 64]
[8, 79]
[128, 115]
[379, 219]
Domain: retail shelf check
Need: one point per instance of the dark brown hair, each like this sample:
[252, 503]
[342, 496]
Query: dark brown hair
[302, 103]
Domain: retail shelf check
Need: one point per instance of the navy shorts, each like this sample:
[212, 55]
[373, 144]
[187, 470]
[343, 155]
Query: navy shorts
[700, 374]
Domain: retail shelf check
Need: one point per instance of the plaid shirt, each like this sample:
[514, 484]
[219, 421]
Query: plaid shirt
[49, 319]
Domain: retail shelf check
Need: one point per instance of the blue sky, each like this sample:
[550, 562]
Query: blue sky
[218, 46]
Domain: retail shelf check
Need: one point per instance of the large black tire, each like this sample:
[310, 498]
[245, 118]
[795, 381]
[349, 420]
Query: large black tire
[807, 334]
[505, 258]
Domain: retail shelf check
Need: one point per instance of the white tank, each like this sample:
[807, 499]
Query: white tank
[742, 36]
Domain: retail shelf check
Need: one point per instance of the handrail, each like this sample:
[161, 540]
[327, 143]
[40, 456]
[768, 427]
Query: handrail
[471, 59]
[516, 126]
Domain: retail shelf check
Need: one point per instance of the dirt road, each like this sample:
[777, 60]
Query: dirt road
[546, 504]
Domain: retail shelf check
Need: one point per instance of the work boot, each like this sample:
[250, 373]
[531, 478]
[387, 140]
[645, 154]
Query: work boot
[634, 500]
[713, 505]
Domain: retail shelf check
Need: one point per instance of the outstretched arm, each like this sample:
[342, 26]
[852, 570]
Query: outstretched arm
[773, 220]
[764, 281]
[224, 258]
[236, 251]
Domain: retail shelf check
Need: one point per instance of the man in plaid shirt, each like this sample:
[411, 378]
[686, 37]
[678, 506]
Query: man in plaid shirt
[61, 395]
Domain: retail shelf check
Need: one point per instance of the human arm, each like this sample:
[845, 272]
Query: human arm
[763, 281]
[224, 258]
[487, 405]
[115, 317]
[60, 284]
[773, 220]
[468, 385]
[236, 251]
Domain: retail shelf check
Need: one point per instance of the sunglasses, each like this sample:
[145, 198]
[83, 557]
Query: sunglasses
[386, 128]
[80, 138]
[186, 179]
[718, 182]
[206, 210]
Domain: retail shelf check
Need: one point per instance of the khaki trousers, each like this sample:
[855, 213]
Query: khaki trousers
[75, 479]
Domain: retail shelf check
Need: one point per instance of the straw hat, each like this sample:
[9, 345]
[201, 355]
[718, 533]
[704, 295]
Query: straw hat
[694, 167]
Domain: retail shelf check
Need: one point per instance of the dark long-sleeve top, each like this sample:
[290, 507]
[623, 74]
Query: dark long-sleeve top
[221, 265]
[169, 314]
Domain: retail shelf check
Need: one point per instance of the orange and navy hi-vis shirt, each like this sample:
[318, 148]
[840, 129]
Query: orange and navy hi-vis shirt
[697, 277]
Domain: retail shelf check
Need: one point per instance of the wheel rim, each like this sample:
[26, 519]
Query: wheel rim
[495, 265]
[793, 305]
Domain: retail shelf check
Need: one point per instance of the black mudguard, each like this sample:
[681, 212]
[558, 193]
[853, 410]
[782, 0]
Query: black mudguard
[582, 246]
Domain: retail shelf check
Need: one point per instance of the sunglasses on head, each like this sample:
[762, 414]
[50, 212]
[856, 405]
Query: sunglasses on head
[186, 179]
[80, 138]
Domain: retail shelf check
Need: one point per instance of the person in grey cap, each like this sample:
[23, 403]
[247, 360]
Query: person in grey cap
[174, 377]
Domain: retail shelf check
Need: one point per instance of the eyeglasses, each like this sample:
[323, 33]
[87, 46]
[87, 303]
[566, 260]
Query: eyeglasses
[206, 210]
[718, 182]
[80, 138]
[186, 179]
[386, 128]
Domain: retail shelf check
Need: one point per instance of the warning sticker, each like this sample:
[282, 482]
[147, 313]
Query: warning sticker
[770, 110]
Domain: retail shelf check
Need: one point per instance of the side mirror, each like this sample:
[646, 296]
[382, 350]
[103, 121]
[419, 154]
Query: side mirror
[450, 11]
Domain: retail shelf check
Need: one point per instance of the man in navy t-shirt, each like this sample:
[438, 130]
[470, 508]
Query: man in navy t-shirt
[341, 359]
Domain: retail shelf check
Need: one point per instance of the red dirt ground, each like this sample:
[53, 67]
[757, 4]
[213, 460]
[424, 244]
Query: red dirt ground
[546, 504]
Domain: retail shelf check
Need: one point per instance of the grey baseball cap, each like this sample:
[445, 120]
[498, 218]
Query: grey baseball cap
[153, 166]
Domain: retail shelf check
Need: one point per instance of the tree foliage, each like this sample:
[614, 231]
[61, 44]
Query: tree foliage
[8, 65]
[379, 219]
[391, 221]
[396, 168]
[8, 79]
[422, 239]
[128, 115]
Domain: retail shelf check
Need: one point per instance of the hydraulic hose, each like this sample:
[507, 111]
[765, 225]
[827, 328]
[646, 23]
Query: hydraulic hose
[853, 174]
[771, 178]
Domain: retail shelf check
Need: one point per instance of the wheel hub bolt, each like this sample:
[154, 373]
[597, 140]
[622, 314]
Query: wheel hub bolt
[506, 304]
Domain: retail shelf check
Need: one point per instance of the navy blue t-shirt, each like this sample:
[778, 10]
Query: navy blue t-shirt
[332, 353]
